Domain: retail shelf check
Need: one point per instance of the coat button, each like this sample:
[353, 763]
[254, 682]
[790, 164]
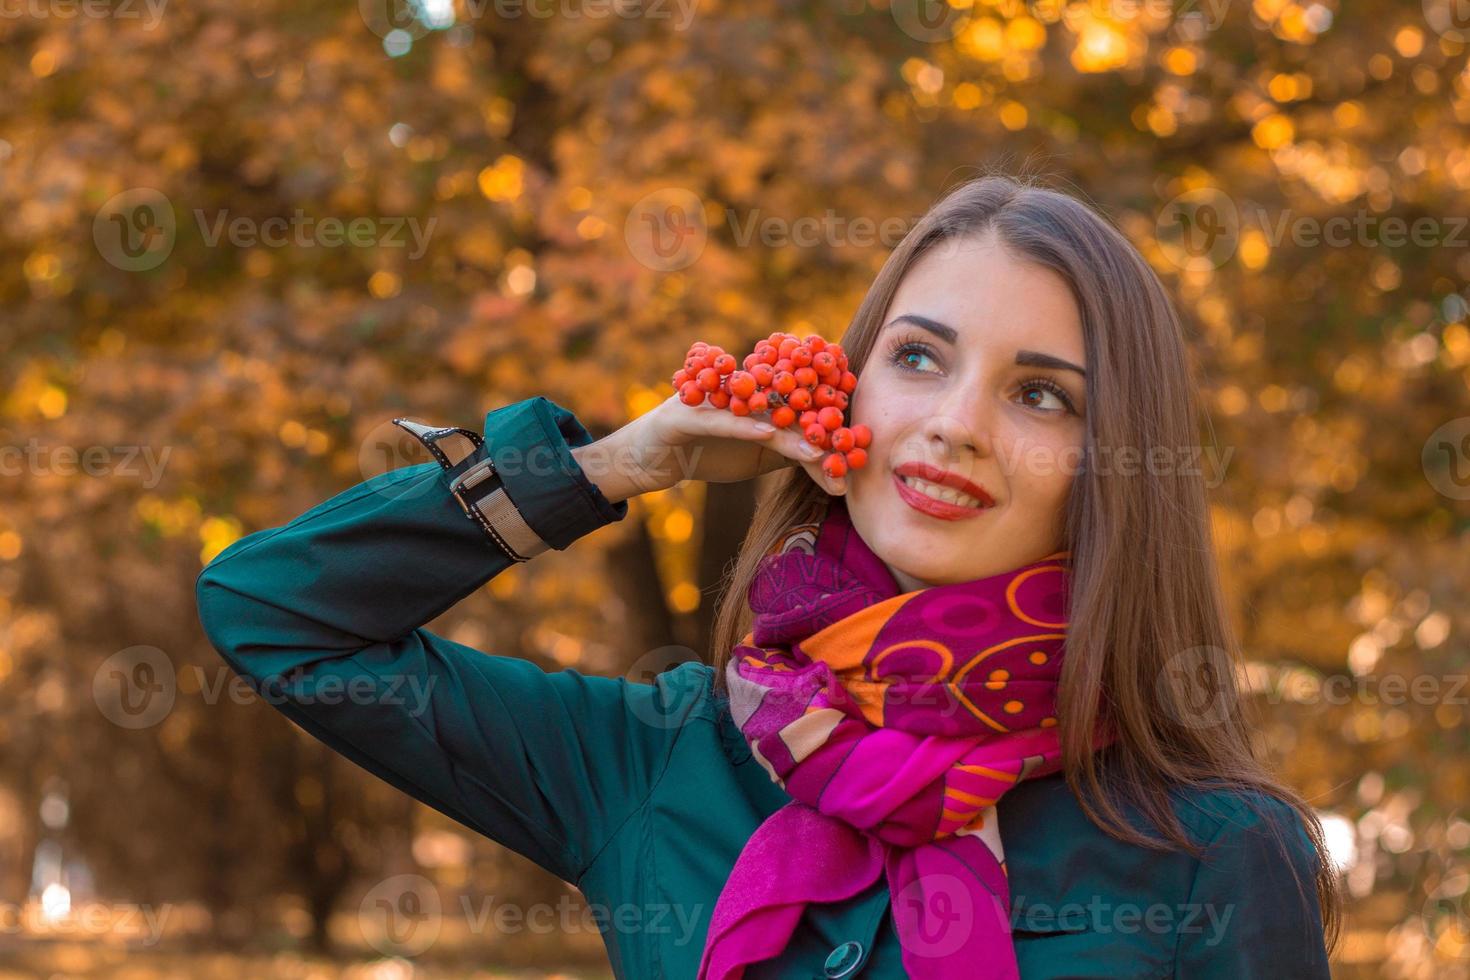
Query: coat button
[843, 961]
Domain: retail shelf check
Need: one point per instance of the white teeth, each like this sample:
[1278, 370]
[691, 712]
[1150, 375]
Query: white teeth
[947, 494]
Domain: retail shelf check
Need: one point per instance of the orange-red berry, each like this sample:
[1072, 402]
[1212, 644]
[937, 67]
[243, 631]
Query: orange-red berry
[742, 383]
[801, 381]
[834, 466]
[864, 436]
[857, 458]
[843, 439]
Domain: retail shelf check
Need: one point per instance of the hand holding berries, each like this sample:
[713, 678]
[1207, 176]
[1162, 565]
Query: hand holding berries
[801, 382]
[675, 442]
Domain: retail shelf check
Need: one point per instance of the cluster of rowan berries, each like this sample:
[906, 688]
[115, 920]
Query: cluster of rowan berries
[800, 381]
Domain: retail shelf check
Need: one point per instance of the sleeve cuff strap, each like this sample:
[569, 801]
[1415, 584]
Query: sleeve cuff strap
[523, 487]
[531, 445]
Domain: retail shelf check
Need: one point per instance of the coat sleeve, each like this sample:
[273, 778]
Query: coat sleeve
[1246, 917]
[323, 618]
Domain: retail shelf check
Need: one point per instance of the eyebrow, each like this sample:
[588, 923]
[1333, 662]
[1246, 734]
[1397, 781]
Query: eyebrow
[948, 334]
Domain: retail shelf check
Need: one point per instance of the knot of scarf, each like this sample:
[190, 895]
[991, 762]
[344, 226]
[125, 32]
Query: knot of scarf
[896, 721]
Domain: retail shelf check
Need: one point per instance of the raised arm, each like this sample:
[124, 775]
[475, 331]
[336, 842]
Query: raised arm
[325, 614]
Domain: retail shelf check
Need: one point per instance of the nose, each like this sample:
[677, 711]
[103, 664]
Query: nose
[959, 423]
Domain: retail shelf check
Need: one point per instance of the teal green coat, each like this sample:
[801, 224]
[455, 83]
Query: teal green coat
[643, 795]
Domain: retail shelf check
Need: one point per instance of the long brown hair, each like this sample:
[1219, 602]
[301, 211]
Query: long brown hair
[1148, 621]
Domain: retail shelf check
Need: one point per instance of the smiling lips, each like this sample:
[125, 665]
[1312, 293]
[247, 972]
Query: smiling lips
[939, 493]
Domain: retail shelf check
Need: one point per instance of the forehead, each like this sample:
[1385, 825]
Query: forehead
[991, 297]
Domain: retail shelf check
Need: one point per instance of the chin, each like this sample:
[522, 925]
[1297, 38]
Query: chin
[913, 562]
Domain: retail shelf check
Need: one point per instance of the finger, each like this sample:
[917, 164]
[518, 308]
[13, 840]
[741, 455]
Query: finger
[706, 420]
[836, 486]
[787, 442]
[782, 447]
[791, 445]
[788, 448]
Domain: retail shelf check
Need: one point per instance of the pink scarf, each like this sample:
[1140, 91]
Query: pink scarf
[895, 721]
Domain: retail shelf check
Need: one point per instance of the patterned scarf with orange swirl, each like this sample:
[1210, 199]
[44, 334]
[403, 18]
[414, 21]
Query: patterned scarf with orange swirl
[895, 721]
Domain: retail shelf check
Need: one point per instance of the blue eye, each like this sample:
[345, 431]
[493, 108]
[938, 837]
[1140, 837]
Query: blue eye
[1050, 387]
[909, 355]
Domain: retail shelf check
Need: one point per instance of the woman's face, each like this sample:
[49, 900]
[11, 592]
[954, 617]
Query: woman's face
[966, 378]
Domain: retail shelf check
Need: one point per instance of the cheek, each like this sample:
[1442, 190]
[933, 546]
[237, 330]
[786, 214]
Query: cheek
[1045, 462]
[891, 417]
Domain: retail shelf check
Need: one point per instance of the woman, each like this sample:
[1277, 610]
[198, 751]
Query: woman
[972, 711]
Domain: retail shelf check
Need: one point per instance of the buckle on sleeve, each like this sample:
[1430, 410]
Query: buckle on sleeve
[472, 477]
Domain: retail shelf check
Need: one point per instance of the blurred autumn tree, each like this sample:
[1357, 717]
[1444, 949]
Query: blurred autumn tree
[536, 155]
